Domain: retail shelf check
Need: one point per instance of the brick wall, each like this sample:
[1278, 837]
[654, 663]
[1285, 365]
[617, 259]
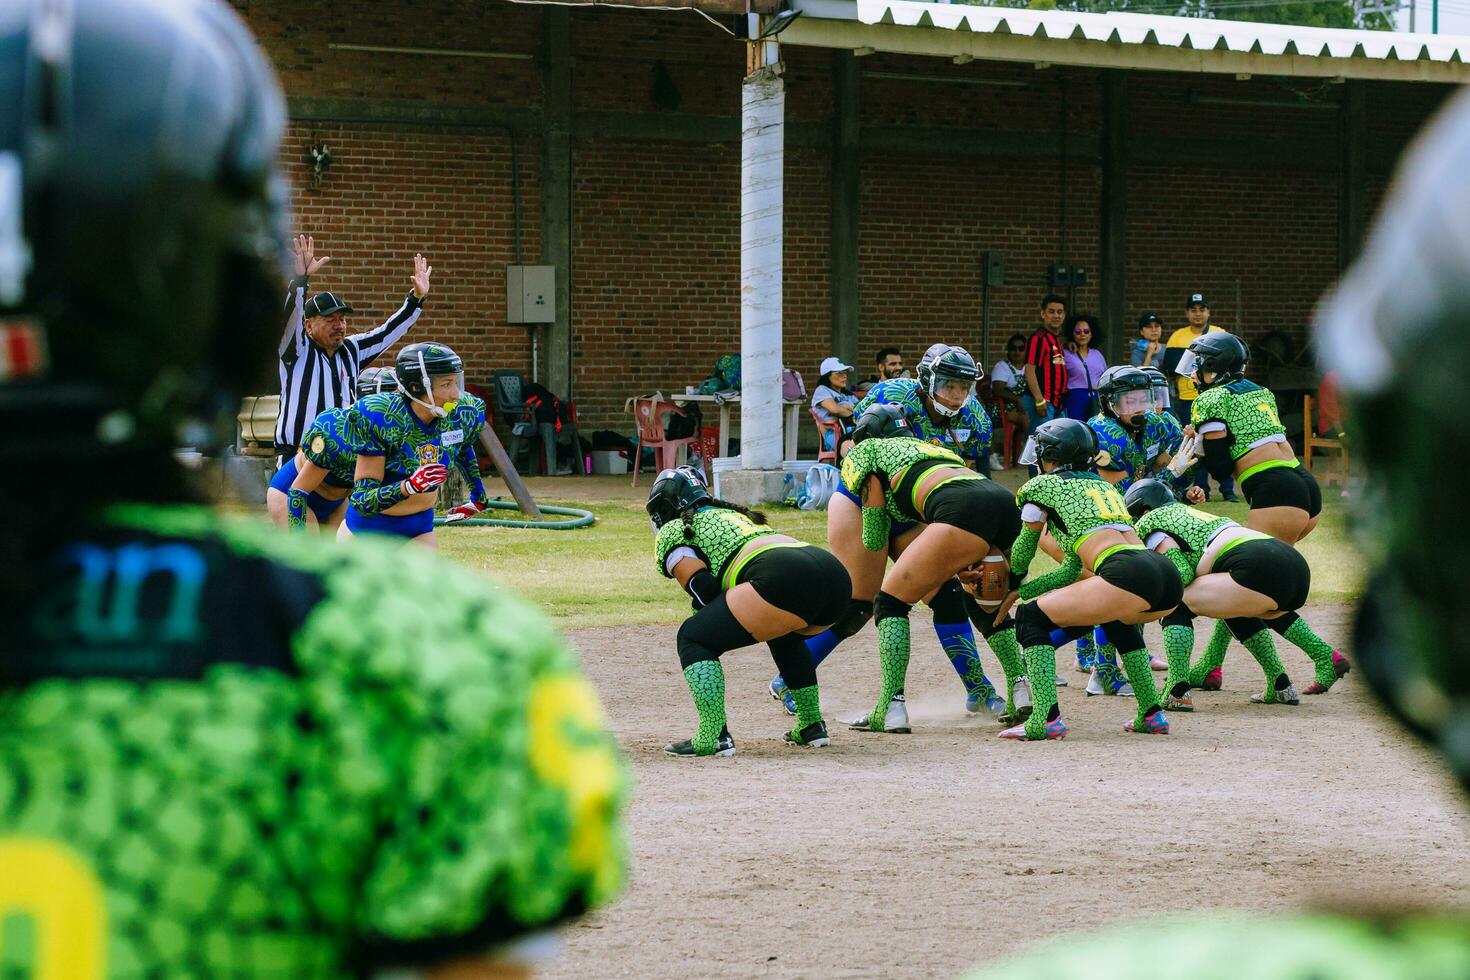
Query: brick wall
[1238, 200]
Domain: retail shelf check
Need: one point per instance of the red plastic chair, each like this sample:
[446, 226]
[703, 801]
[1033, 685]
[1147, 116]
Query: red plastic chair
[823, 427]
[649, 414]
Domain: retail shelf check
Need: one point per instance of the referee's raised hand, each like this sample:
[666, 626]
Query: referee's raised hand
[422, 270]
[304, 248]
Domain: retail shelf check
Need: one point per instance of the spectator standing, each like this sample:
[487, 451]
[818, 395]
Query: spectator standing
[1008, 383]
[1046, 364]
[1148, 346]
[1085, 364]
[832, 401]
[319, 363]
[1197, 313]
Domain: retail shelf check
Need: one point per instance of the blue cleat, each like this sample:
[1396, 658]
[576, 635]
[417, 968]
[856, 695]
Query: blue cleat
[780, 693]
[1154, 724]
[984, 698]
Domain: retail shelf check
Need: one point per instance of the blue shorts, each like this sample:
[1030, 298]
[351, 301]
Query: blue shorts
[403, 526]
[320, 506]
[895, 528]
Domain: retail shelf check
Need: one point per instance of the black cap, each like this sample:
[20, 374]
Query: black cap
[1197, 299]
[324, 304]
[1148, 318]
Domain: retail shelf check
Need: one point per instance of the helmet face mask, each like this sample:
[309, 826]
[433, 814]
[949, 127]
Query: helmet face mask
[673, 492]
[424, 371]
[1126, 394]
[949, 379]
[1221, 355]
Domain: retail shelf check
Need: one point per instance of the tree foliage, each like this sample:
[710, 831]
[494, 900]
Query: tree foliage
[1307, 13]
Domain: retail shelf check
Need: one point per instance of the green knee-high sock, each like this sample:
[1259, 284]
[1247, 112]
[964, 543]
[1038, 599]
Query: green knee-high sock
[1135, 665]
[893, 657]
[1106, 661]
[1008, 652]
[707, 683]
[1299, 634]
[1178, 645]
[1213, 656]
[1041, 668]
[1263, 648]
[808, 706]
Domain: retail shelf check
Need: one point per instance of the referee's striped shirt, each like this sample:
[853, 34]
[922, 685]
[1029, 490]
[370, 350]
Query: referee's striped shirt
[312, 380]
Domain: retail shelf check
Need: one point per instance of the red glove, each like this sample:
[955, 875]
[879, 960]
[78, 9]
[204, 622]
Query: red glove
[428, 477]
[464, 512]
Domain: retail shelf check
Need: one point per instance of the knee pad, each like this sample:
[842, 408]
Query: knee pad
[1282, 623]
[948, 604]
[889, 606]
[710, 632]
[1241, 627]
[1033, 626]
[854, 617]
[1123, 637]
[1181, 616]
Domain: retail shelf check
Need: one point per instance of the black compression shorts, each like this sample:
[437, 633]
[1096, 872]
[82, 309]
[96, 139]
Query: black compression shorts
[1270, 567]
[1147, 574]
[806, 582]
[982, 507]
[1284, 486]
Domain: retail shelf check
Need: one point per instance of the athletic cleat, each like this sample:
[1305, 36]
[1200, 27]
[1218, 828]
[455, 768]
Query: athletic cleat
[780, 692]
[1106, 681]
[1181, 703]
[1021, 694]
[1155, 724]
[813, 736]
[1061, 681]
[895, 719]
[1154, 663]
[990, 703]
[1340, 667]
[1055, 729]
[1287, 695]
[1213, 680]
[685, 749]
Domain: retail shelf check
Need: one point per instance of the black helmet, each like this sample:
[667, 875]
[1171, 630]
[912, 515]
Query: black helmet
[1222, 353]
[921, 370]
[1146, 495]
[1394, 336]
[1117, 381]
[947, 366]
[419, 364]
[882, 422]
[375, 379]
[142, 223]
[1067, 443]
[675, 491]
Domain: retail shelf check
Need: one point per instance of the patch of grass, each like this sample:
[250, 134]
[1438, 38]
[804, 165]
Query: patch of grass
[605, 575]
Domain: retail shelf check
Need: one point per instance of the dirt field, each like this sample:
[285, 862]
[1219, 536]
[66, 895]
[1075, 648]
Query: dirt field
[922, 855]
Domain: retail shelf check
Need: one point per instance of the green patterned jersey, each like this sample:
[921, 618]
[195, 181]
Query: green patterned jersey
[719, 534]
[1226, 946]
[1246, 409]
[326, 444]
[887, 459]
[1191, 529]
[1073, 504]
[385, 425]
[225, 752]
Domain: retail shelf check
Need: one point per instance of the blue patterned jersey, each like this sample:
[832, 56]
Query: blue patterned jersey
[968, 435]
[384, 425]
[326, 444]
[1134, 454]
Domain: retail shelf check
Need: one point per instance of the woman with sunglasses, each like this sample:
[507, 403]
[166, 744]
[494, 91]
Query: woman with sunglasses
[1085, 365]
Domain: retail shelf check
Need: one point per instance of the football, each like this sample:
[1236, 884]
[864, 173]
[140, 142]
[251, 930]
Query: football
[995, 580]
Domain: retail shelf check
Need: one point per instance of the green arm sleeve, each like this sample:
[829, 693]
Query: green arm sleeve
[1063, 575]
[295, 508]
[1024, 550]
[1182, 564]
[370, 496]
[876, 524]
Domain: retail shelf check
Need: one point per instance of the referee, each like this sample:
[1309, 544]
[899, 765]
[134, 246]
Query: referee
[319, 363]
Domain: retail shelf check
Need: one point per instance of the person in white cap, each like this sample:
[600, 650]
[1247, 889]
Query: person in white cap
[833, 401]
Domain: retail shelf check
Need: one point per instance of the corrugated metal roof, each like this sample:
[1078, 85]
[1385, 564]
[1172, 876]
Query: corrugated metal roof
[1117, 30]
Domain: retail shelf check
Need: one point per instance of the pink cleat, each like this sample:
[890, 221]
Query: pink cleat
[1213, 680]
[1154, 663]
[1340, 667]
[1055, 729]
[1154, 724]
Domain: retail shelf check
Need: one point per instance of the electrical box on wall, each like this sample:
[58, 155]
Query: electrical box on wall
[530, 294]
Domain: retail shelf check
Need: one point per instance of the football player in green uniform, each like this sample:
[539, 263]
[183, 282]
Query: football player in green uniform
[1230, 573]
[1129, 585]
[1238, 431]
[225, 751]
[404, 441]
[964, 518]
[748, 584]
[1406, 295]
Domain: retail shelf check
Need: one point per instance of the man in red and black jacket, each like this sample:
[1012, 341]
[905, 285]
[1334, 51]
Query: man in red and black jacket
[1046, 367]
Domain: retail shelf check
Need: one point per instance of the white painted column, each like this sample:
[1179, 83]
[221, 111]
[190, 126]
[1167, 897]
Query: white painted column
[762, 161]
